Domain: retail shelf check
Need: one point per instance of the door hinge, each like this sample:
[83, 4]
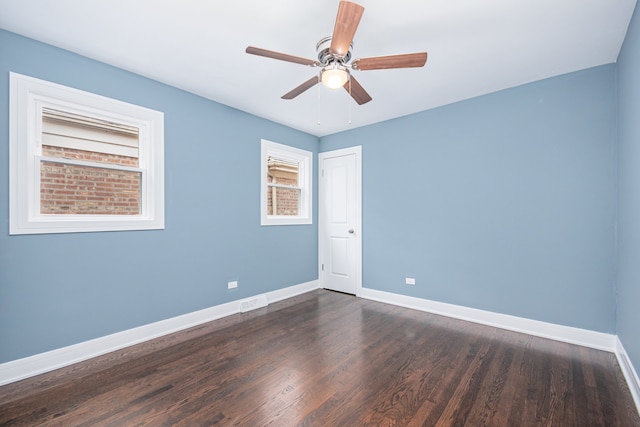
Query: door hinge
[322, 267]
[323, 172]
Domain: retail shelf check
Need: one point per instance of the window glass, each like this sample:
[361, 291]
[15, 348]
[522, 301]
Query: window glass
[283, 197]
[286, 185]
[84, 188]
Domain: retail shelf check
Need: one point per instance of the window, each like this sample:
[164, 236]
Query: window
[286, 185]
[81, 162]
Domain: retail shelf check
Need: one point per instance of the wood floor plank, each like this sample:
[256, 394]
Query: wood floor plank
[325, 358]
[490, 392]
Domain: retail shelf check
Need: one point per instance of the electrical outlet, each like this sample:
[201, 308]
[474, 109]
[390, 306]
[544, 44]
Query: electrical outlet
[410, 281]
[232, 285]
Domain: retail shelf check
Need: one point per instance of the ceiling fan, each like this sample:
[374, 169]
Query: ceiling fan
[334, 54]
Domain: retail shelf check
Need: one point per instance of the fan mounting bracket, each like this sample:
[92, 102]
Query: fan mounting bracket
[326, 57]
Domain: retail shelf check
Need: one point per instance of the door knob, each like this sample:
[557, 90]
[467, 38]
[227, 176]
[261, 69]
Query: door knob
[351, 231]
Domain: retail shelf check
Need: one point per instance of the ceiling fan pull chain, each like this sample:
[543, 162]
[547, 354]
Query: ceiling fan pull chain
[318, 109]
[349, 100]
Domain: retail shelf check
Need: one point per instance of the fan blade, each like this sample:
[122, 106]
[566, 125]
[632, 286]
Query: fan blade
[281, 56]
[304, 86]
[408, 60]
[347, 21]
[356, 91]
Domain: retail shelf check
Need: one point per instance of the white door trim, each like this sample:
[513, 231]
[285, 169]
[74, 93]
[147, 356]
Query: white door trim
[357, 151]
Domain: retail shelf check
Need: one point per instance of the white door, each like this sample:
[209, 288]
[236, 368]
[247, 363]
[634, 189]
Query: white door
[340, 239]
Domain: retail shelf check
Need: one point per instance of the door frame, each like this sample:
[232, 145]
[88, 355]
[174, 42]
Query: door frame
[357, 151]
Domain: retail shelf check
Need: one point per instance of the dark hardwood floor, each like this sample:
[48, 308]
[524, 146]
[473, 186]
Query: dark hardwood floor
[328, 359]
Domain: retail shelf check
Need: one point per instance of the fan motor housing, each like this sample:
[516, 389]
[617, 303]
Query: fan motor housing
[326, 57]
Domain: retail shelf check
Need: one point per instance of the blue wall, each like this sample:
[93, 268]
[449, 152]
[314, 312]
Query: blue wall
[504, 202]
[61, 289]
[628, 316]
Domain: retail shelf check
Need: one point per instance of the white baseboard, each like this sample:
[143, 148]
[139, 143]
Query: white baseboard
[583, 337]
[292, 291]
[19, 369]
[629, 372]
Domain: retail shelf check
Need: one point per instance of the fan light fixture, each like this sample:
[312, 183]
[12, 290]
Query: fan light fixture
[334, 76]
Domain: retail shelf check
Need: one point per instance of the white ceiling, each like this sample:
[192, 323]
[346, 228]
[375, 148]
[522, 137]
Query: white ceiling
[475, 47]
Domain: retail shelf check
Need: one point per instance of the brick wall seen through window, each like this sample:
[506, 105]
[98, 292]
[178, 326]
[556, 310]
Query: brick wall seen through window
[283, 199]
[76, 189]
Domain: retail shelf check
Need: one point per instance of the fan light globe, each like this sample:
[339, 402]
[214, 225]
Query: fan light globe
[334, 77]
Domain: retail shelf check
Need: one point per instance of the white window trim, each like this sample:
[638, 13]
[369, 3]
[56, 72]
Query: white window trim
[27, 98]
[305, 183]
